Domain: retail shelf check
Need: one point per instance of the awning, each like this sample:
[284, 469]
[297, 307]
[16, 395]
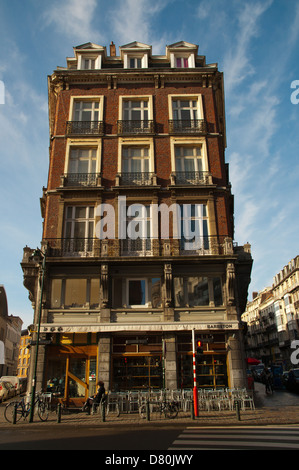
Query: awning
[139, 327]
[251, 361]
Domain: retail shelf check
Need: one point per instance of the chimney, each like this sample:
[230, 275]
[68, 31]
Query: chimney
[112, 49]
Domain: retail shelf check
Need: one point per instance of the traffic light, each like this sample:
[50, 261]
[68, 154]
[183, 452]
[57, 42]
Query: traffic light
[199, 348]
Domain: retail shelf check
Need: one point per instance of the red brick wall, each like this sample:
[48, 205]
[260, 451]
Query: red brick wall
[110, 144]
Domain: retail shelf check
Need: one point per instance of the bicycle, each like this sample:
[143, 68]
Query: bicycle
[20, 409]
[169, 408]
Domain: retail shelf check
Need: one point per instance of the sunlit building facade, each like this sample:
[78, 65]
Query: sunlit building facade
[138, 226]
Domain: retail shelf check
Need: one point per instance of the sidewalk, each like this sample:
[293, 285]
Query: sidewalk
[286, 415]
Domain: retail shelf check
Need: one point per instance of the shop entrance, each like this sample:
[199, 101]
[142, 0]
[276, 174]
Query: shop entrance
[71, 373]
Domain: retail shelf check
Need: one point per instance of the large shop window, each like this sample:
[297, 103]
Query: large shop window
[211, 372]
[137, 362]
[197, 291]
[211, 368]
[75, 292]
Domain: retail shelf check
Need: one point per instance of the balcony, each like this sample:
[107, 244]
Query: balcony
[190, 126]
[85, 128]
[137, 127]
[136, 179]
[203, 245]
[73, 247]
[96, 248]
[191, 178]
[138, 247]
[81, 180]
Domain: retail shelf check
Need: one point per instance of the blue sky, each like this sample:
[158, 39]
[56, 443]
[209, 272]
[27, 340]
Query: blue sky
[256, 45]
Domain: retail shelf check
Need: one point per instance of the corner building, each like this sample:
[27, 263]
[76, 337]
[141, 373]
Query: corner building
[121, 299]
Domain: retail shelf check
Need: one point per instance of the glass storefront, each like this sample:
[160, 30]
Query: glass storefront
[136, 362]
[136, 372]
[211, 367]
[71, 372]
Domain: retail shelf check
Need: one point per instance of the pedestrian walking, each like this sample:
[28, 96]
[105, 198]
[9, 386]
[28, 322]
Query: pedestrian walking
[267, 379]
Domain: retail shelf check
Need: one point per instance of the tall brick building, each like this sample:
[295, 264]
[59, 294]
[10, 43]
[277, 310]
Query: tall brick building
[138, 228]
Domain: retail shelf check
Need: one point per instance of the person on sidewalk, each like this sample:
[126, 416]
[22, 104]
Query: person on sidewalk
[267, 379]
[96, 399]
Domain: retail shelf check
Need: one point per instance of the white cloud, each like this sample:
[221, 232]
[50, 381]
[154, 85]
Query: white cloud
[237, 61]
[133, 21]
[73, 18]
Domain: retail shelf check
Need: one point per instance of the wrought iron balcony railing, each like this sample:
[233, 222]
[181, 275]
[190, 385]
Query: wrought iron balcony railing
[73, 247]
[136, 179]
[81, 179]
[84, 127]
[138, 247]
[135, 127]
[189, 126]
[191, 177]
[97, 248]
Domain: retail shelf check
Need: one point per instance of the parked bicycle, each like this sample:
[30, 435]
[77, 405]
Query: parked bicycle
[21, 409]
[169, 408]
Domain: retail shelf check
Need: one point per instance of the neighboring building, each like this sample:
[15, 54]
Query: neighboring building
[10, 333]
[131, 136]
[272, 318]
[24, 355]
[261, 336]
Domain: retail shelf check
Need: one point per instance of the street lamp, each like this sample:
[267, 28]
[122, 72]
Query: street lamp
[37, 257]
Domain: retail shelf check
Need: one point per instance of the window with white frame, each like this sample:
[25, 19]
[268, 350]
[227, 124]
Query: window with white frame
[182, 62]
[86, 111]
[194, 228]
[135, 159]
[82, 160]
[185, 109]
[88, 63]
[135, 110]
[138, 230]
[137, 292]
[135, 62]
[82, 166]
[79, 229]
[188, 159]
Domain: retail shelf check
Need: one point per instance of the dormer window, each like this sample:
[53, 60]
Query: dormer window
[88, 56]
[181, 55]
[135, 62]
[182, 62]
[135, 55]
[88, 64]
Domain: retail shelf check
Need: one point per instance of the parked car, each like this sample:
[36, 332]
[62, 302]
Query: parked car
[16, 381]
[293, 380]
[7, 390]
[250, 380]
